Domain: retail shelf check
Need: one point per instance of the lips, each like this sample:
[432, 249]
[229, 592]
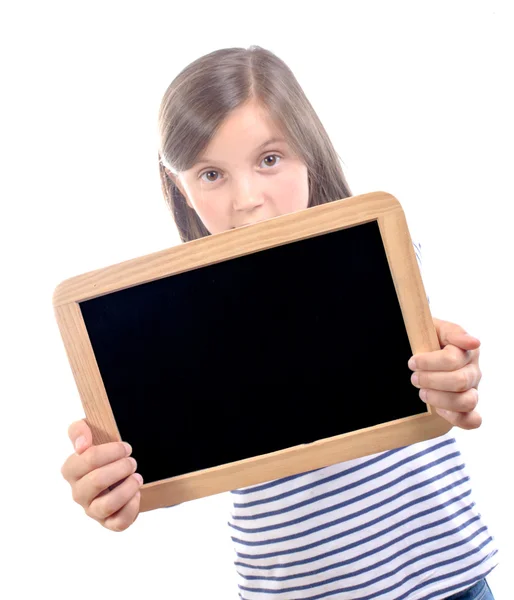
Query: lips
[245, 224]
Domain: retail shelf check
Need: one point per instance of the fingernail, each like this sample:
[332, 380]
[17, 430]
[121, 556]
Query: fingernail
[412, 364]
[139, 478]
[415, 379]
[128, 448]
[79, 442]
[423, 395]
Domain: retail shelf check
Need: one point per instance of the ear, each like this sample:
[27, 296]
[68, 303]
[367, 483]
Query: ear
[176, 181]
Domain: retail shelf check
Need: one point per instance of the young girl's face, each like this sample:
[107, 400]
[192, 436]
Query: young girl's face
[247, 173]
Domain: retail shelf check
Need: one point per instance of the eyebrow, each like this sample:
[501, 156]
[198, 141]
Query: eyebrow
[274, 140]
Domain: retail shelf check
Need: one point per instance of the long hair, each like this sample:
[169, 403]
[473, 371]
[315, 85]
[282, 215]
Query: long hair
[204, 93]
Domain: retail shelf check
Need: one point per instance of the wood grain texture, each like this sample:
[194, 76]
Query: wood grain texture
[317, 220]
[99, 415]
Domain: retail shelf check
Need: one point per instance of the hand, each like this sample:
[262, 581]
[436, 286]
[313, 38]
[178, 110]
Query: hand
[102, 479]
[448, 379]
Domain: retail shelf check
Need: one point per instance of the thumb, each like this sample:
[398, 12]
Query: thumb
[451, 333]
[462, 340]
[80, 435]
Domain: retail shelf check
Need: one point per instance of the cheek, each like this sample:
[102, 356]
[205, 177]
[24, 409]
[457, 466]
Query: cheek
[213, 212]
[292, 192]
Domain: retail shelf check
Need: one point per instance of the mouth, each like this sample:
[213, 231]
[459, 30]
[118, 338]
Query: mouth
[245, 224]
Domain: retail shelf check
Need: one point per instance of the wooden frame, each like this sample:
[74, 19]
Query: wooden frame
[377, 206]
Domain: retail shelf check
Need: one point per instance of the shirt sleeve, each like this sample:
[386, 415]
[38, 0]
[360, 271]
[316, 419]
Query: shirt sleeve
[417, 250]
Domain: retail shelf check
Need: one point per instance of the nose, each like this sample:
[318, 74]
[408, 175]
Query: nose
[247, 194]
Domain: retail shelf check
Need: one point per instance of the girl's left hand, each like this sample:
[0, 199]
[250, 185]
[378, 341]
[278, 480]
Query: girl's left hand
[448, 379]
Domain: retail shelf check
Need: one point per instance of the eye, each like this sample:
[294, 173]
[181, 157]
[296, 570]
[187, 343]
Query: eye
[209, 180]
[273, 156]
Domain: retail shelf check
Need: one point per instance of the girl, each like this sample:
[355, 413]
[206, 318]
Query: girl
[239, 143]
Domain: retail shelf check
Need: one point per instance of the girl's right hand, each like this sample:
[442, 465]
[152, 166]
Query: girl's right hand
[92, 471]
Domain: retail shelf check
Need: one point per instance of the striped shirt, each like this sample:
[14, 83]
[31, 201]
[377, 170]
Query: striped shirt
[395, 525]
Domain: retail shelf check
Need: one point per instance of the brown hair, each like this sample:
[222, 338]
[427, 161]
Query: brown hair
[207, 90]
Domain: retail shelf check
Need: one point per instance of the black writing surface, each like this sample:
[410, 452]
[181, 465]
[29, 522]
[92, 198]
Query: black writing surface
[255, 354]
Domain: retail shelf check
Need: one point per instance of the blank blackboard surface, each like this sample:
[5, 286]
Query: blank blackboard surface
[256, 353]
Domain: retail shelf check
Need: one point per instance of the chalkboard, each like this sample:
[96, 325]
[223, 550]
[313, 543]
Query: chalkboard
[258, 354]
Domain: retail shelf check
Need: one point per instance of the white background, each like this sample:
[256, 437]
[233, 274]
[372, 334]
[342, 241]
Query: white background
[418, 100]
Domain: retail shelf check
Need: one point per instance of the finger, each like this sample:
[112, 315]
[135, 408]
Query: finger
[453, 381]
[76, 466]
[454, 402]
[88, 487]
[450, 358]
[451, 333]
[106, 505]
[471, 420]
[126, 516]
[80, 435]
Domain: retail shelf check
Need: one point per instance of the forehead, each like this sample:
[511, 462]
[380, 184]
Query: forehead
[246, 127]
